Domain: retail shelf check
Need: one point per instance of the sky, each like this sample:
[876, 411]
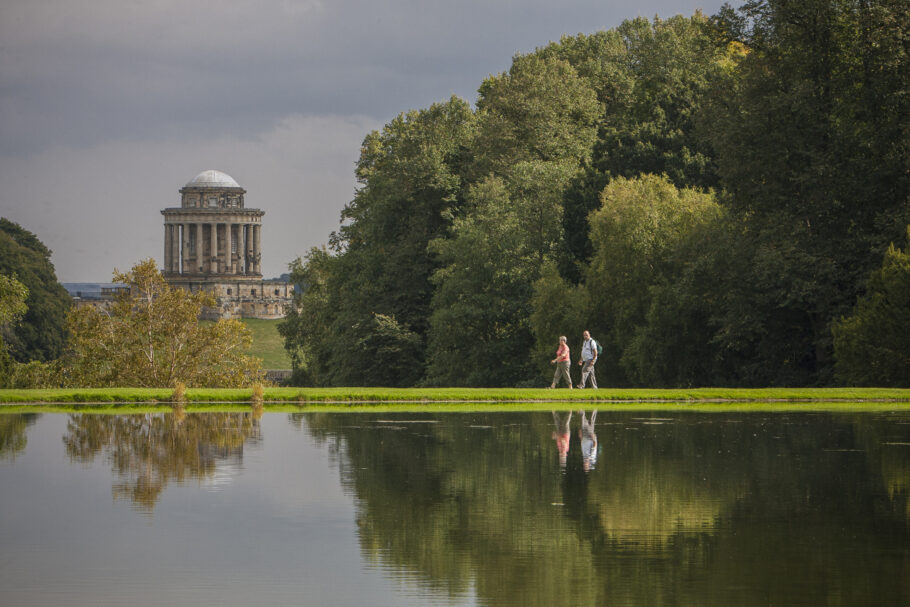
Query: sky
[109, 107]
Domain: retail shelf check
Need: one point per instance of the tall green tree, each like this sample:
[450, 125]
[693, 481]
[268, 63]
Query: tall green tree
[638, 235]
[652, 78]
[809, 142]
[540, 110]
[479, 330]
[535, 126]
[40, 334]
[12, 306]
[371, 294]
[872, 345]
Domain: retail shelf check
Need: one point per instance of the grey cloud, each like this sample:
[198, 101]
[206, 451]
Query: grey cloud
[84, 72]
[98, 94]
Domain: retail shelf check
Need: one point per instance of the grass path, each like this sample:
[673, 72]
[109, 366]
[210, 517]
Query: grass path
[448, 396]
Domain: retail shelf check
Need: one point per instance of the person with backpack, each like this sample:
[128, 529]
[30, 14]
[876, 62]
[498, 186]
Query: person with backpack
[588, 357]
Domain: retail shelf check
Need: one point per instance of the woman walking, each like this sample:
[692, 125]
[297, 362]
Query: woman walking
[562, 363]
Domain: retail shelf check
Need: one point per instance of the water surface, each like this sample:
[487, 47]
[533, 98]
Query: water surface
[628, 508]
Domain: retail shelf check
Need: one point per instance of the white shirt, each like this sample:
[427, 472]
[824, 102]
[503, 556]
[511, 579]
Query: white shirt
[588, 351]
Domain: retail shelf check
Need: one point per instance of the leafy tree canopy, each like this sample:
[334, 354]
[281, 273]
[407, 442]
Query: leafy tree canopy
[709, 193]
[40, 334]
[151, 337]
[872, 345]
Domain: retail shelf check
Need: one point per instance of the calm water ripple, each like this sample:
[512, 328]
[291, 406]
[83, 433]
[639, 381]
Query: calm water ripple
[612, 508]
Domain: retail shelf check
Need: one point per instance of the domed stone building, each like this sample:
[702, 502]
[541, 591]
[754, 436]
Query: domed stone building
[213, 242]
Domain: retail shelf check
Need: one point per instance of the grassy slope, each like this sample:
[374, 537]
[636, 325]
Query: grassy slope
[267, 343]
[422, 396]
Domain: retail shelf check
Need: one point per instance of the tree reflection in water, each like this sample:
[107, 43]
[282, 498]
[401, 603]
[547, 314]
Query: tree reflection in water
[698, 509]
[146, 452]
[12, 433]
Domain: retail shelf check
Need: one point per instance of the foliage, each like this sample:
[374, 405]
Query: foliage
[809, 139]
[558, 308]
[540, 110]
[706, 195]
[652, 78]
[12, 299]
[12, 306]
[872, 345]
[37, 374]
[478, 322]
[40, 334]
[151, 337]
[637, 233]
[362, 311]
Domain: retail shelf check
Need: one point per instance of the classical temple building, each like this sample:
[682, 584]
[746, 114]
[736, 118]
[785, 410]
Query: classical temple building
[213, 242]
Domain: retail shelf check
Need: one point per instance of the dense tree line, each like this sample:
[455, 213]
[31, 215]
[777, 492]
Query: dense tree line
[40, 334]
[709, 196]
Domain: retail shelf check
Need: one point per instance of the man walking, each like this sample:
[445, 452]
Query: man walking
[587, 360]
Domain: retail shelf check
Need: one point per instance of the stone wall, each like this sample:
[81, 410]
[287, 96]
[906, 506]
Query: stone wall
[245, 299]
[235, 299]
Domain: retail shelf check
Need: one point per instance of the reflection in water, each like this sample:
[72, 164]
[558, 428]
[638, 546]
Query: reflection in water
[696, 510]
[149, 451]
[561, 436]
[12, 434]
[588, 441]
[492, 509]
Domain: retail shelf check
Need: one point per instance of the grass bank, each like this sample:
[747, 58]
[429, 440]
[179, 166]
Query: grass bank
[420, 396]
[641, 407]
[267, 343]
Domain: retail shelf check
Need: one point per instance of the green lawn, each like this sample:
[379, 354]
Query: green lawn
[268, 344]
[796, 398]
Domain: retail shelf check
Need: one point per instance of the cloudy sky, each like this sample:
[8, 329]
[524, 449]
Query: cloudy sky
[108, 107]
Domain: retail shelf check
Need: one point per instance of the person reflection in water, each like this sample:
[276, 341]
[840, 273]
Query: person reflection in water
[588, 441]
[561, 436]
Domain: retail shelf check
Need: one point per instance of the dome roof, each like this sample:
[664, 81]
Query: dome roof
[212, 179]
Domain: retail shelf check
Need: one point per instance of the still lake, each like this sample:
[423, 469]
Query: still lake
[532, 508]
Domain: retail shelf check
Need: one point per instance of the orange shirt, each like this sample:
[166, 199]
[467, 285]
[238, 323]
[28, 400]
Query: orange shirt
[562, 354]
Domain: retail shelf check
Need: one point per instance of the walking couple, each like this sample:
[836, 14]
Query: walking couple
[586, 360]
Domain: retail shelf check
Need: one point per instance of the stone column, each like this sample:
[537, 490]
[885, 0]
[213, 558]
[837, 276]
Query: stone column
[241, 250]
[197, 248]
[257, 248]
[228, 258]
[178, 254]
[175, 244]
[249, 248]
[213, 257]
[186, 248]
[167, 247]
[176, 248]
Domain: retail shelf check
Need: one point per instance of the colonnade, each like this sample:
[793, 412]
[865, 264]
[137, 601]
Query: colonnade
[212, 248]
